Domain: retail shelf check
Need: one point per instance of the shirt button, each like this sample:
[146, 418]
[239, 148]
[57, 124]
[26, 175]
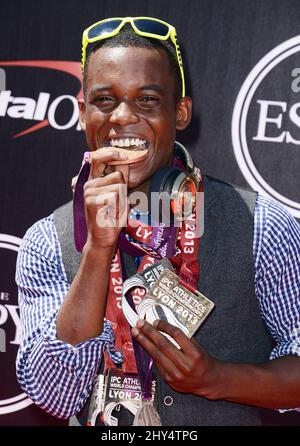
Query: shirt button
[168, 401]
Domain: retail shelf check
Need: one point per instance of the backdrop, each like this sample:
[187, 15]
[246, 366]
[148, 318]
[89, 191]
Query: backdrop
[242, 62]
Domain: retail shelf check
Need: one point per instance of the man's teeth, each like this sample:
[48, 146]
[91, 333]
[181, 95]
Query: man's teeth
[127, 142]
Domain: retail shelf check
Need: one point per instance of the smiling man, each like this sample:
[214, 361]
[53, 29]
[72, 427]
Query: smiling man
[245, 355]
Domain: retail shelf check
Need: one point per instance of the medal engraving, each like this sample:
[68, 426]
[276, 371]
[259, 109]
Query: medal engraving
[148, 277]
[122, 389]
[188, 309]
[122, 386]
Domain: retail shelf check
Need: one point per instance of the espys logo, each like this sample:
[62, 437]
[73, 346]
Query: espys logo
[266, 126]
[44, 108]
[10, 336]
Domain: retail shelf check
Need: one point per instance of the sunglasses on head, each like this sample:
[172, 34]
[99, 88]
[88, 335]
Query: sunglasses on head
[143, 26]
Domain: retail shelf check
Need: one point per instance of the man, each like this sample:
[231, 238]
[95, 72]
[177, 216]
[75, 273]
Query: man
[134, 95]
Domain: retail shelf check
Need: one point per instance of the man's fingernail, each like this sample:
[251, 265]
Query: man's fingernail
[155, 323]
[134, 331]
[140, 323]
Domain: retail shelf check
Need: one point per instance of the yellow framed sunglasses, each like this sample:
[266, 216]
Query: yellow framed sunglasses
[143, 26]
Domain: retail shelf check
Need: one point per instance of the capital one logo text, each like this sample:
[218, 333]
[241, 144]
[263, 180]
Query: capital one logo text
[42, 108]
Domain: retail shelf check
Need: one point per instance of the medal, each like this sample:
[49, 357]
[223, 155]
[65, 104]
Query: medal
[166, 298]
[181, 307]
[97, 401]
[147, 415]
[145, 279]
[123, 389]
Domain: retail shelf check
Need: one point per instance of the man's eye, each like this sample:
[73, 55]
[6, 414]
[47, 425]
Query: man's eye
[104, 103]
[148, 101]
[104, 99]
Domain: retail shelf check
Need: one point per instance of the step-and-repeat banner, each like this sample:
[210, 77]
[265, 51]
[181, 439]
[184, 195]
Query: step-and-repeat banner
[242, 60]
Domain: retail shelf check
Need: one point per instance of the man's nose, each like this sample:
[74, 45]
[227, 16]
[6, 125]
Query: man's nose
[123, 115]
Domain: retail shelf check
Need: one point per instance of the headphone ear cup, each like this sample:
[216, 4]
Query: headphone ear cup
[183, 156]
[170, 180]
[164, 179]
[162, 182]
[158, 179]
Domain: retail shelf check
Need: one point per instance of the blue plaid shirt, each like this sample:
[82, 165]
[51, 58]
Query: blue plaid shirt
[59, 377]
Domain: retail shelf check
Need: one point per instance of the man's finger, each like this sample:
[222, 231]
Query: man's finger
[175, 333]
[107, 180]
[158, 355]
[162, 344]
[124, 169]
[99, 159]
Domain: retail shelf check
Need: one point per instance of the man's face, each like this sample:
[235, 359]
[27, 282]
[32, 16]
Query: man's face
[130, 100]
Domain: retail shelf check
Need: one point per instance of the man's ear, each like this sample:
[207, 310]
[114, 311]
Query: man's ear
[183, 113]
[82, 109]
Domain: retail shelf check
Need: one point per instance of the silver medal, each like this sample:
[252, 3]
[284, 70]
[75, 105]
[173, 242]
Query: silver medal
[147, 415]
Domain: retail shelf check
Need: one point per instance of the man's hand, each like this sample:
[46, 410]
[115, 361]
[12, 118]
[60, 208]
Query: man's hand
[273, 384]
[105, 197]
[188, 370]
[82, 313]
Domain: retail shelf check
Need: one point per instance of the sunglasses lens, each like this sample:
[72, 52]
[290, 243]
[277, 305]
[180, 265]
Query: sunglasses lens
[151, 26]
[103, 28]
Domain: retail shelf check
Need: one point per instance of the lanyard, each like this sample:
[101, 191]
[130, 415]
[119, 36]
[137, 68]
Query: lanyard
[114, 313]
